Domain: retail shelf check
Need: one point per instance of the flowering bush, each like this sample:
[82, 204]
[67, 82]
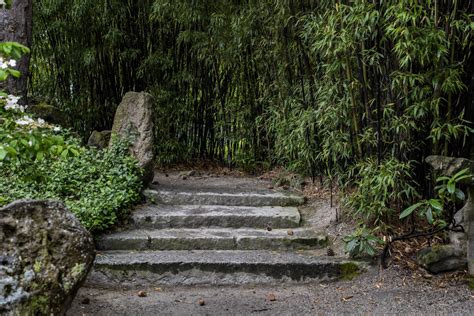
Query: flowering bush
[39, 160]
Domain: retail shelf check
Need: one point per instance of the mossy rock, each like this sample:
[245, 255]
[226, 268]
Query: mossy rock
[45, 256]
[99, 140]
[442, 258]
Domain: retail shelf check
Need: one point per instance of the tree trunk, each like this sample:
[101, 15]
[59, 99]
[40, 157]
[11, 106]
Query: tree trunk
[16, 26]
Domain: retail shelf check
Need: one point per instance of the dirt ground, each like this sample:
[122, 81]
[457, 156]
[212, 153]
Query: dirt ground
[393, 291]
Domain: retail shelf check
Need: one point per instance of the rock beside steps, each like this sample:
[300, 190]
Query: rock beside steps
[186, 237]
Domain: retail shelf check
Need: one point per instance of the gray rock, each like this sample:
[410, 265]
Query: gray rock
[45, 256]
[127, 269]
[134, 121]
[195, 216]
[442, 258]
[99, 140]
[212, 238]
[449, 166]
[235, 198]
[468, 211]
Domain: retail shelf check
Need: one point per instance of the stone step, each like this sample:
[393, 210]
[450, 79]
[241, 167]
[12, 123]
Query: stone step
[121, 269]
[208, 239]
[257, 198]
[194, 216]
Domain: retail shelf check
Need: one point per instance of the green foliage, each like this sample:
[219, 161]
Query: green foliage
[440, 210]
[41, 161]
[13, 50]
[379, 188]
[362, 242]
[97, 186]
[359, 91]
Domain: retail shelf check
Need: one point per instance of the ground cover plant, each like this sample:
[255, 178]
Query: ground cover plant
[43, 161]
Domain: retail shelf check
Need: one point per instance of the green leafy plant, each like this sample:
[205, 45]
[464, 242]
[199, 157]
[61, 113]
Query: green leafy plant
[362, 242]
[439, 211]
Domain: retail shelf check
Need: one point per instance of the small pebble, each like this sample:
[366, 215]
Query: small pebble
[290, 232]
[201, 302]
[142, 294]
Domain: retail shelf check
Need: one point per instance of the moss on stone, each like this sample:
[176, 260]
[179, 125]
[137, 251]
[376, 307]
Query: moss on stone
[470, 281]
[37, 305]
[349, 270]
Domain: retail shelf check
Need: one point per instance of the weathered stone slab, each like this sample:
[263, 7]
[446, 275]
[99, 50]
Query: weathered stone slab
[99, 140]
[45, 255]
[150, 268]
[269, 198]
[442, 258]
[194, 216]
[449, 166]
[207, 239]
[134, 120]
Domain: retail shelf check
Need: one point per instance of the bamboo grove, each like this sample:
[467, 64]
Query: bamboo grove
[358, 91]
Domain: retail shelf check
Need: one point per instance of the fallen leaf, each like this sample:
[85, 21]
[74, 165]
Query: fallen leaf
[158, 289]
[345, 299]
[271, 297]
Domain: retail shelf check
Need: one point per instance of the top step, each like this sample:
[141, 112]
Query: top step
[197, 188]
[196, 197]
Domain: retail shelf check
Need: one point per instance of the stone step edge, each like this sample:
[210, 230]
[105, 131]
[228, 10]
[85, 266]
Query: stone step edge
[194, 216]
[224, 198]
[131, 270]
[222, 239]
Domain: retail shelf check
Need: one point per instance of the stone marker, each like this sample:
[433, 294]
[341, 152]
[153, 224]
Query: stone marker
[45, 255]
[449, 166]
[134, 120]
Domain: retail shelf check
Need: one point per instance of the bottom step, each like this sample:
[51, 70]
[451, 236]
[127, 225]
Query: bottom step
[149, 268]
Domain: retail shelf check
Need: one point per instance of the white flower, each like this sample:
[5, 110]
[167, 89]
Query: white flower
[30, 143]
[2, 3]
[41, 121]
[57, 128]
[12, 63]
[3, 65]
[12, 104]
[25, 120]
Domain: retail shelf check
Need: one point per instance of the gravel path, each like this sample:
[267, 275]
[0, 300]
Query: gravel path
[398, 292]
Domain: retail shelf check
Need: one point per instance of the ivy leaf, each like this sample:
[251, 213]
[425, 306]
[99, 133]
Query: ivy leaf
[3, 153]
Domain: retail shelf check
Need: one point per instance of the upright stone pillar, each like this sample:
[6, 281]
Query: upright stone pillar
[449, 166]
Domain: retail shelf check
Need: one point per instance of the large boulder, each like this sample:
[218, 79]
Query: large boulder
[134, 121]
[45, 255]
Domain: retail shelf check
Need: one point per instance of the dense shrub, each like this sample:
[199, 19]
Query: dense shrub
[42, 161]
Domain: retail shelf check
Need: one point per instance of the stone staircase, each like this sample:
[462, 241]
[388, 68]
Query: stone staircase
[227, 234]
